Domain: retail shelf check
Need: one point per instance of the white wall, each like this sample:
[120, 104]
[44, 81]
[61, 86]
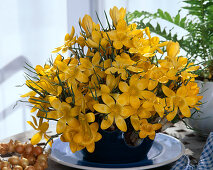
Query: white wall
[29, 28]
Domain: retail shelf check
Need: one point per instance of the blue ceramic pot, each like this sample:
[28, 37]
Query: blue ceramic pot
[112, 149]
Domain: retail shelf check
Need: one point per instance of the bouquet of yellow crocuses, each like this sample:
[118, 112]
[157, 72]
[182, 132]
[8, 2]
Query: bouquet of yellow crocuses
[113, 79]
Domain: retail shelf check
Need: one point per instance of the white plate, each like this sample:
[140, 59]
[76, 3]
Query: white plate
[165, 150]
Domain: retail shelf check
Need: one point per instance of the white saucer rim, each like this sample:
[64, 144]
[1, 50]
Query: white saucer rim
[130, 168]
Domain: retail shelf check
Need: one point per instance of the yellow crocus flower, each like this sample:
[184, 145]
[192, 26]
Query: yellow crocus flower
[181, 99]
[111, 83]
[117, 14]
[75, 135]
[71, 72]
[132, 92]
[69, 40]
[88, 25]
[113, 111]
[136, 114]
[120, 36]
[148, 129]
[172, 49]
[120, 65]
[42, 127]
[63, 111]
[153, 101]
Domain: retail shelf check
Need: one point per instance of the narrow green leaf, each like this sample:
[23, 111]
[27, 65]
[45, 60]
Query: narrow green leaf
[168, 16]
[161, 14]
[182, 22]
[177, 19]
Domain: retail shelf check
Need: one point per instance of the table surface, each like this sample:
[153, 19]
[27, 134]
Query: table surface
[193, 144]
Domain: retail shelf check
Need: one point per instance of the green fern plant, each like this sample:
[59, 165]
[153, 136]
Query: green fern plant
[198, 43]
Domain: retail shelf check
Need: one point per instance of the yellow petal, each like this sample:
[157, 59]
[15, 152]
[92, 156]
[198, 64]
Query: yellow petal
[69, 99]
[54, 102]
[107, 121]
[146, 94]
[182, 91]
[172, 49]
[127, 43]
[127, 111]
[111, 82]
[78, 138]
[152, 84]
[108, 100]
[117, 45]
[135, 122]
[87, 24]
[90, 117]
[91, 147]
[147, 104]
[142, 134]
[53, 115]
[120, 123]
[159, 109]
[64, 49]
[65, 107]
[111, 70]
[36, 138]
[96, 58]
[73, 147]
[105, 89]
[81, 77]
[134, 101]
[47, 138]
[164, 79]
[144, 114]
[34, 120]
[75, 111]
[107, 63]
[123, 99]
[144, 121]
[61, 125]
[123, 86]
[167, 91]
[152, 137]
[98, 137]
[185, 110]
[67, 37]
[123, 73]
[102, 108]
[33, 109]
[171, 115]
[59, 90]
[92, 43]
[56, 50]
[94, 127]
[85, 63]
[142, 84]
[156, 126]
[31, 124]
[73, 123]
[62, 66]
[72, 33]
[44, 126]
[134, 78]
[31, 93]
[191, 100]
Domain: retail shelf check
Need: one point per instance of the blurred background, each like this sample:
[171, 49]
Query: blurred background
[31, 29]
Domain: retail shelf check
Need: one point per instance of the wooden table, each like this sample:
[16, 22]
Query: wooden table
[193, 143]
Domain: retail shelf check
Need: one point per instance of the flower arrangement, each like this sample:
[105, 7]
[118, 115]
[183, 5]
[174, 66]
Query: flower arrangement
[197, 24]
[113, 79]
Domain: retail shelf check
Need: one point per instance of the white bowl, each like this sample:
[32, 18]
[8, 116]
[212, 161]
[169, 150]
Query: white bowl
[202, 121]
